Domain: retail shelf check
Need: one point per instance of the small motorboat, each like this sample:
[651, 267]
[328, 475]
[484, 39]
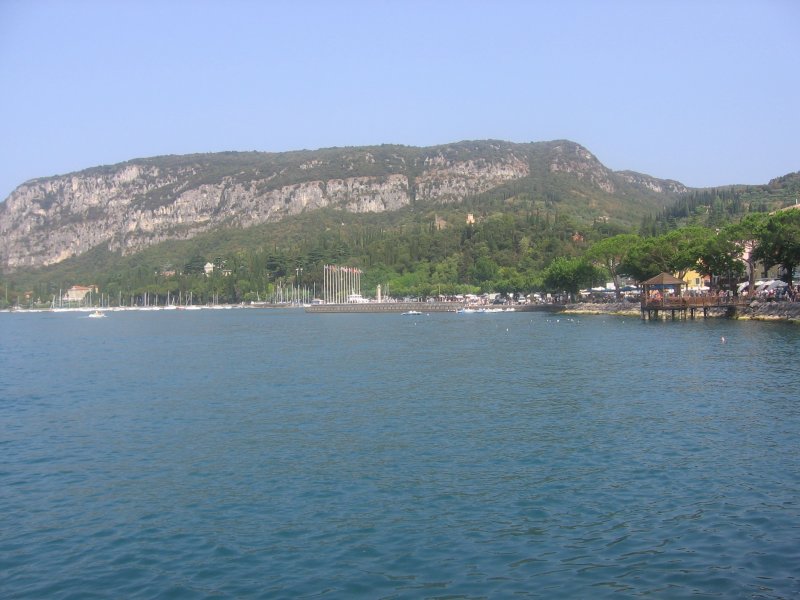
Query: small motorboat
[97, 315]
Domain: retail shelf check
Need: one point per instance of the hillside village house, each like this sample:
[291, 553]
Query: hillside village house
[77, 293]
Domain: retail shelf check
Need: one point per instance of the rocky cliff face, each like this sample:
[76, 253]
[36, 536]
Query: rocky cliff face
[133, 205]
[578, 161]
[660, 186]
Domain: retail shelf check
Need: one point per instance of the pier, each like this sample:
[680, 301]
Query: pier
[656, 300]
[689, 306]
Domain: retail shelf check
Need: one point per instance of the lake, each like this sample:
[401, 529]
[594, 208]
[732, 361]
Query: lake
[277, 454]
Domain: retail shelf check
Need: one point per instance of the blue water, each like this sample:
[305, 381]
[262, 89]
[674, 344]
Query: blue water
[274, 454]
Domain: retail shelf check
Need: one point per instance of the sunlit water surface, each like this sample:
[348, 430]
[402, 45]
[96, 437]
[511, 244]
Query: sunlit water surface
[275, 454]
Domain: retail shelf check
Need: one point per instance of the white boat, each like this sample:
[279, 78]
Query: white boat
[412, 312]
[97, 315]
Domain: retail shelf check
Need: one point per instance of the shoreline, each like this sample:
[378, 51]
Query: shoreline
[782, 311]
[788, 312]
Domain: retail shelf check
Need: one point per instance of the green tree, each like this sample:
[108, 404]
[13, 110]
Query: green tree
[508, 281]
[445, 275]
[381, 275]
[744, 234]
[568, 275]
[674, 252]
[779, 242]
[684, 248]
[721, 256]
[485, 269]
[195, 265]
[611, 253]
[644, 260]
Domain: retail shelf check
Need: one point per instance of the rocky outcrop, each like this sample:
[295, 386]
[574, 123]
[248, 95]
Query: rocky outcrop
[771, 311]
[757, 311]
[629, 309]
[660, 186]
[444, 181]
[131, 206]
[578, 161]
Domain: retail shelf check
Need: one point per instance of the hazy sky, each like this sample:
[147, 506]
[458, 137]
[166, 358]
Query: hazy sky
[705, 92]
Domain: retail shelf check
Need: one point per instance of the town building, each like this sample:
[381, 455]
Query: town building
[77, 293]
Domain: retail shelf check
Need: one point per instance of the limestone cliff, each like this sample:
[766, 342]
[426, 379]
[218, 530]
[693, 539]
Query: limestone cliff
[136, 204]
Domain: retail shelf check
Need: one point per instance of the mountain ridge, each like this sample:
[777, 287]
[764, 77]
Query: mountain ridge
[130, 206]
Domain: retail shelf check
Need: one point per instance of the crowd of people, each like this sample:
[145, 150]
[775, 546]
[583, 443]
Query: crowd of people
[778, 293]
[766, 292]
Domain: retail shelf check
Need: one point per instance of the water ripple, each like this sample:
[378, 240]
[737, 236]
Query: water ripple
[274, 454]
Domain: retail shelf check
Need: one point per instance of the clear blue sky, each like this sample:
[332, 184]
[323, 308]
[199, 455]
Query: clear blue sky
[705, 92]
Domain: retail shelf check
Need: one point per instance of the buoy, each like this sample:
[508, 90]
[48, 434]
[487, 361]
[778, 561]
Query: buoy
[722, 339]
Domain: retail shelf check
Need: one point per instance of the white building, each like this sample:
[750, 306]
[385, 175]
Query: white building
[77, 293]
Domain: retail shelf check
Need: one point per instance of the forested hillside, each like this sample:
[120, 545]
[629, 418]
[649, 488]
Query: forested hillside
[132, 206]
[714, 207]
[536, 232]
